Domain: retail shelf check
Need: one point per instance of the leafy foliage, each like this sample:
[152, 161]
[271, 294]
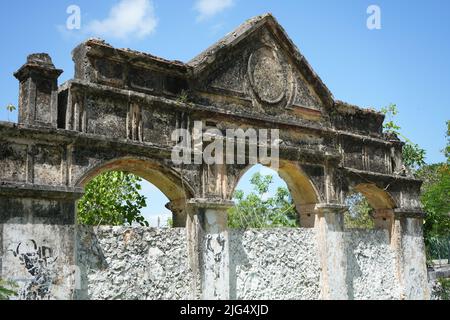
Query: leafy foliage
[359, 215]
[7, 289]
[413, 155]
[444, 289]
[447, 148]
[10, 108]
[390, 112]
[258, 211]
[436, 199]
[112, 198]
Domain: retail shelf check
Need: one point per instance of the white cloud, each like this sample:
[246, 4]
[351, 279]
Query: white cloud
[128, 18]
[209, 8]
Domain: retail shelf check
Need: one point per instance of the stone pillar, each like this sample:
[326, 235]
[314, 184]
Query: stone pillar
[329, 227]
[179, 212]
[37, 241]
[38, 97]
[307, 215]
[384, 219]
[209, 246]
[408, 244]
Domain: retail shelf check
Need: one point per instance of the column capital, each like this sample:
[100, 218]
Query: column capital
[416, 213]
[335, 207]
[211, 203]
[179, 213]
[307, 208]
[382, 213]
[176, 205]
[26, 190]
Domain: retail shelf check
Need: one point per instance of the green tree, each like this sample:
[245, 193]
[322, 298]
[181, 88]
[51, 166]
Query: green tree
[436, 195]
[112, 198]
[413, 155]
[447, 148]
[10, 108]
[359, 212]
[7, 289]
[436, 202]
[258, 211]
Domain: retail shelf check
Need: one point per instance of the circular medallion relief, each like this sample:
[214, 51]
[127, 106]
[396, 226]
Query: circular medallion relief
[267, 76]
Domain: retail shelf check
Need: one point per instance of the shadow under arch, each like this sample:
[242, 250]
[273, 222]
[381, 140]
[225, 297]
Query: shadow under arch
[379, 199]
[383, 205]
[302, 189]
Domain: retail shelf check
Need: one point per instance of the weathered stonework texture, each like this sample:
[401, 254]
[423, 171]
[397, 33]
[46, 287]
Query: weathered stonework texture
[133, 264]
[371, 266]
[274, 264]
[146, 263]
[118, 113]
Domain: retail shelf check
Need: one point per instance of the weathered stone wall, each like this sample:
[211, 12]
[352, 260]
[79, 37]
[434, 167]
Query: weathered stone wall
[133, 263]
[37, 257]
[147, 263]
[274, 264]
[282, 263]
[371, 266]
[415, 271]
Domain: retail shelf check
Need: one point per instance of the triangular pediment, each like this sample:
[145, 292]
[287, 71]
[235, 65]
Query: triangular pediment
[259, 63]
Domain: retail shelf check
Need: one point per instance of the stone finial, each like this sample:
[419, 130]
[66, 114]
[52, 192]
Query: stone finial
[38, 100]
[40, 59]
[41, 64]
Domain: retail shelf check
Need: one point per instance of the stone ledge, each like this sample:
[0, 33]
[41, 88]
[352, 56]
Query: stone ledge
[211, 203]
[17, 190]
[381, 175]
[195, 107]
[417, 213]
[337, 207]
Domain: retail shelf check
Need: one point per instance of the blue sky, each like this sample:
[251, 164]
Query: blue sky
[406, 62]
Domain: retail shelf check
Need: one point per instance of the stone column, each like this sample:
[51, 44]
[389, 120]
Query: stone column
[209, 246]
[307, 215]
[384, 219]
[38, 98]
[408, 243]
[179, 212]
[329, 227]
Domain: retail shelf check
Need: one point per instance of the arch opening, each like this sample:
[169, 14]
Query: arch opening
[369, 208]
[154, 195]
[286, 199]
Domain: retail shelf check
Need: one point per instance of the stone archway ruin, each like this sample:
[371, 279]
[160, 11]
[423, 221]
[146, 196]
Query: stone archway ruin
[119, 112]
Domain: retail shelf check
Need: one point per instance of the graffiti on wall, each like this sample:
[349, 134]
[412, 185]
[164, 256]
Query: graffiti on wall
[39, 262]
